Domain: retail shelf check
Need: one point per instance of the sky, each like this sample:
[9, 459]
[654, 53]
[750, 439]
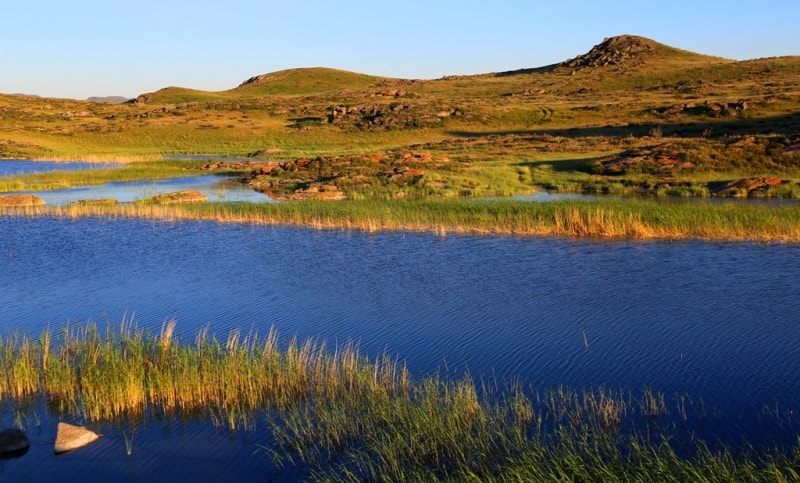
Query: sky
[82, 48]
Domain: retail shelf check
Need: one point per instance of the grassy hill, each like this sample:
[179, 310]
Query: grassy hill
[550, 126]
[307, 81]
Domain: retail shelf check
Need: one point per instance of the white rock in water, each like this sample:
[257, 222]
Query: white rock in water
[69, 437]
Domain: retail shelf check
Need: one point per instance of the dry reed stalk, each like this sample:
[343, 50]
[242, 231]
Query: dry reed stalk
[167, 331]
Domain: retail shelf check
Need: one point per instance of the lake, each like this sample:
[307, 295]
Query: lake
[715, 321]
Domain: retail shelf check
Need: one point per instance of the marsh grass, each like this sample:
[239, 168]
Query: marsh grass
[346, 417]
[634, 218]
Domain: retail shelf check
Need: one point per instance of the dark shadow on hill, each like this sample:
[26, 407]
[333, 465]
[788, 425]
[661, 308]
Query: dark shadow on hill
[533, 70]
[782, 125]
[583, 165]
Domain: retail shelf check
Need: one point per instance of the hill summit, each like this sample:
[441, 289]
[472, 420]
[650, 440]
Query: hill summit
[613, 51]
[629, 51]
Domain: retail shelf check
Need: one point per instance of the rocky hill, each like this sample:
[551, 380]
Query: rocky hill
[631, 51]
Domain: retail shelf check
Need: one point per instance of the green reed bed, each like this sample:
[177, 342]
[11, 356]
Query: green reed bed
[346, 417]
[126, 371]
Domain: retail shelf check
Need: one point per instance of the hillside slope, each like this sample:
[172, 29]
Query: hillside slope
[623, 86]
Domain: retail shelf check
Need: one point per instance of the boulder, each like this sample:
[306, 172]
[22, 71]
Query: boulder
[744, 187]
[70, 437]
[179, 197]
[21, 201]
[792, 144]
[13, 443]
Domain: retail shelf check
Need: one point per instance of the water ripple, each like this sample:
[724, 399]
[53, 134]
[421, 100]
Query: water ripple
[707, 319]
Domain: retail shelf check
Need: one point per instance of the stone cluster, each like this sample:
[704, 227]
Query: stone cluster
[658, 160]
[612, 51]
[328, 177]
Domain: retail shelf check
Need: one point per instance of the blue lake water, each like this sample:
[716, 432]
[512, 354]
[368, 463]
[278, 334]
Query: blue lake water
[215, 187]
[719, 322]
[686, 316]
[15, 167]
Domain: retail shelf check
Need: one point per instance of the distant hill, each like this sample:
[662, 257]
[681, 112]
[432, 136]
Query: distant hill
[109, 99]
[175, 95]
[313, 80]
[291, 82]
[624, 54]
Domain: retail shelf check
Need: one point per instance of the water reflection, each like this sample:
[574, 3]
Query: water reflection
[216, 187]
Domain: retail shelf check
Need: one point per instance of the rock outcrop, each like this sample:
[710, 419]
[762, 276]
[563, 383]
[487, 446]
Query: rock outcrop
[661, 160]
[744, 187]
[612, 51]
[330, 177]
[792, 144]
[20, 201]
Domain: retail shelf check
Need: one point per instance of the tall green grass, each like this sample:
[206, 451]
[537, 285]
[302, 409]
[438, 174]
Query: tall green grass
[346, 417]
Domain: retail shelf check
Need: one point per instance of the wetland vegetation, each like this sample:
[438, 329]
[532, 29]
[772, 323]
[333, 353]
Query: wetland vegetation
[347, 417]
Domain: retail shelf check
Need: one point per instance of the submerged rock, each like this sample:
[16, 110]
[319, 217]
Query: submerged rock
[70, 437]
[21, 201]
[95, 202]
[13, 443]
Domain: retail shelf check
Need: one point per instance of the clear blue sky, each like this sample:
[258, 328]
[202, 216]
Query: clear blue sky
[82, 48]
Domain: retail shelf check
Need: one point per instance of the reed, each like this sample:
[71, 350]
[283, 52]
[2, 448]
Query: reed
[632, 218]
[346, 417]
